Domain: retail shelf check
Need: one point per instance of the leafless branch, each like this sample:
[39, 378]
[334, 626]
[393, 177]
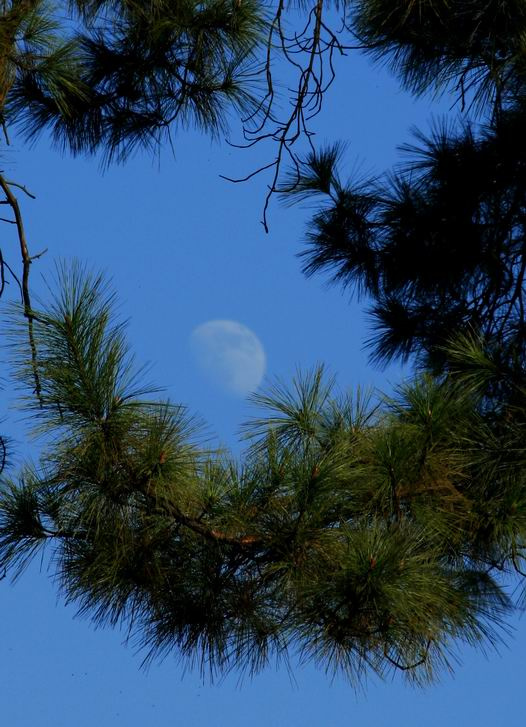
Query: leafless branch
[10, 198]
[2, 274]
[20, 186]
[309, 54]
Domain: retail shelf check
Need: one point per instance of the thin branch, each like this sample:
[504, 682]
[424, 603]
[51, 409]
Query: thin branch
[307, 52]
[19, 186]
[2, 274]
[26, 265]
[408, 667]
[212, 534]
[39, 254]
[249, 176]
[3, 456]
[13, 275]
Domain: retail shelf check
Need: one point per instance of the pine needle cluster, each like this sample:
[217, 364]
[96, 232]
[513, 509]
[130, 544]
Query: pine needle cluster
[113, 76]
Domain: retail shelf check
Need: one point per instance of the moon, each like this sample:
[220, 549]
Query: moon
[230, 355]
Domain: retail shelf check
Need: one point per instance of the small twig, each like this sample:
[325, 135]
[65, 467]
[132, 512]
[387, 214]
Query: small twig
[515, 562]
[14, 276]
[408, 667]
[249, 176]
[19, 186]
[2, 274]
[39, 254]
[3, 457]
[4, 130]
[308, 52]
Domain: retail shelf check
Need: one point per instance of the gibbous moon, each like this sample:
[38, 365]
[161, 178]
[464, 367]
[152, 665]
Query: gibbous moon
[230, 355]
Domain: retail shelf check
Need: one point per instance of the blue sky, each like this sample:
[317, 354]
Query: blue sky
[183, 247]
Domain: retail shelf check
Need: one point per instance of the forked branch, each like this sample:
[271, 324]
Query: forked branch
[309, 54]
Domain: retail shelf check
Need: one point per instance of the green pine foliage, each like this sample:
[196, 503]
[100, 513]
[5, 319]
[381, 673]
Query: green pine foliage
[32, 42]
[476, 49]
[437, 244]
[114, 76]
[362, 536]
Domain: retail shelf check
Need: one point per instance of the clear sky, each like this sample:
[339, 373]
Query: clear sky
[184, 247]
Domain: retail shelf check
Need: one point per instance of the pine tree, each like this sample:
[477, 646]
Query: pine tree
[115, 75]
[438, 245]
[361, 536]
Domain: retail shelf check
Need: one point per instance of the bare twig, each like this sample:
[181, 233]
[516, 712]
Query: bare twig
[2, 274]
[6, 185]
[3, 454]
[310, 55]
[19, 186]
[13, 274]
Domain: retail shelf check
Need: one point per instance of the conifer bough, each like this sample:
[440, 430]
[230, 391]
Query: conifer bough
[359, 537]
[112, 76]
[439, 242]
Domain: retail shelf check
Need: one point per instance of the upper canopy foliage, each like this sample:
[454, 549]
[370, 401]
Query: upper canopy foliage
[439, 243]
[477, 49]
[120, 74]
[363, 537]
